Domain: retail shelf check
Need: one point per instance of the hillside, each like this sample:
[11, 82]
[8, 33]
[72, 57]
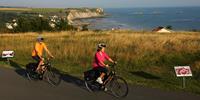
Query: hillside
[144, 58]
[51, 16]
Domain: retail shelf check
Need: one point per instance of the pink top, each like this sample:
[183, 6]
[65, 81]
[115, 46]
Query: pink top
[99, 57]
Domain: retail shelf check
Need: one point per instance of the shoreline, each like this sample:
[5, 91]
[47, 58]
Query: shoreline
[93, 31]
[98, 22]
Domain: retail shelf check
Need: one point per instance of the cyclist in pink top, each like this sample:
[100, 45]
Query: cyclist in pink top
[98, 63]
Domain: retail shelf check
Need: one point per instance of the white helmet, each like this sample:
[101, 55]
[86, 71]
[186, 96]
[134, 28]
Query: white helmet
[40, 38]
[101, 45]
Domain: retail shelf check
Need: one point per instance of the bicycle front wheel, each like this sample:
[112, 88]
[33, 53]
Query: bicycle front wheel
[52, 77]
[119, 87]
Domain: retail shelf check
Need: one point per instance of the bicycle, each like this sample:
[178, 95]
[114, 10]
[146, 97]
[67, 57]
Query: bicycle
[49, 73]
[112, 82]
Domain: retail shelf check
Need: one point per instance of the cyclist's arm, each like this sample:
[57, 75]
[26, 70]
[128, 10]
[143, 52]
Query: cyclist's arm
[102, 63]
[110, 60]
[49, 53]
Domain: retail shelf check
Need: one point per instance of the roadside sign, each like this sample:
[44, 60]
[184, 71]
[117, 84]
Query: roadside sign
[183, 71]
[7, 54]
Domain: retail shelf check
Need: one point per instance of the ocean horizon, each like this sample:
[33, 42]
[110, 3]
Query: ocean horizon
[148, 18]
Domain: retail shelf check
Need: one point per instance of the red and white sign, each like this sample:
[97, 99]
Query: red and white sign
[7, 54]
[183, 71]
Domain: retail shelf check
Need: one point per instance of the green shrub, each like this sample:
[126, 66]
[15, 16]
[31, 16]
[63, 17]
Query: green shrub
[38, 24]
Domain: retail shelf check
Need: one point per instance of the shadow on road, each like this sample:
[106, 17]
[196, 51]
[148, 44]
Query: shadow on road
[74, 80]
[145, 75]
[64, 76]
[18, 68]
[70, 79]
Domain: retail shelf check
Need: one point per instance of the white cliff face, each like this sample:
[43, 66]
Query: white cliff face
[76, 14]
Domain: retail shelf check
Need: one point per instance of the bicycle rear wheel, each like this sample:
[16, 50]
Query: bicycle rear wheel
[30, 71]
[52, 77]
[88, 85]
[31, 75]
[119, 87]
[92, 86]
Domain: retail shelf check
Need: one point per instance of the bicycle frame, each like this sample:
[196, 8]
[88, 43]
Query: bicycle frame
[112, 82]
[47, 65]
[111, 75]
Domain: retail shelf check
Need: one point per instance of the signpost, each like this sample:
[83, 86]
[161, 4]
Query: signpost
[7, 55]
[183, 71]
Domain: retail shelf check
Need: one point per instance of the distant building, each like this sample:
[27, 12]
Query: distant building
[9, 26]
[99, 10]
[40, 15]
[15, 24]
[161, 30]
[52, 25]
[14, 20]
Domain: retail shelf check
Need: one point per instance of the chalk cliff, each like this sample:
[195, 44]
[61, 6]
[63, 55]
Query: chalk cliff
[80, 13]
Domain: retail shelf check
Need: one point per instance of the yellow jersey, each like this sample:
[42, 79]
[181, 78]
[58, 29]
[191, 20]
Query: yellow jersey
[38, 49]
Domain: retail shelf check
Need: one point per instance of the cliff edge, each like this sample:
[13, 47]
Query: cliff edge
[80, 13]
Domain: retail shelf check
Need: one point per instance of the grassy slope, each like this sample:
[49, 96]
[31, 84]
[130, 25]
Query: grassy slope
[144, 58]
[15, 9]
[39, 10]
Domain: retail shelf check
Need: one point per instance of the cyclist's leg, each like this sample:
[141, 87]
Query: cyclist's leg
[102, 71]
[40, 62]
[40, 68]
[37, 59]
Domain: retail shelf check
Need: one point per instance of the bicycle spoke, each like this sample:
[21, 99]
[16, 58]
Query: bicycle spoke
[119, 87]
[53, 78]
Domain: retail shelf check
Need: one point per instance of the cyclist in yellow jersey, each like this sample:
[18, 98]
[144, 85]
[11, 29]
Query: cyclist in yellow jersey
[37, 53]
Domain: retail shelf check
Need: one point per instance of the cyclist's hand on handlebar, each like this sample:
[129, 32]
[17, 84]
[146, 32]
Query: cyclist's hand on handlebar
[115, 62]
[51, 56]
[107, 65]
[42, 59]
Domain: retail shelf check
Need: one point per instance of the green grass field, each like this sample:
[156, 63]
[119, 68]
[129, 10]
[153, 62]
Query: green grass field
[38, 10]
[144, 58]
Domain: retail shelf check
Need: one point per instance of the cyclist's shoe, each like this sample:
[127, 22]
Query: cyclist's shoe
[99, 80]
[105, 89]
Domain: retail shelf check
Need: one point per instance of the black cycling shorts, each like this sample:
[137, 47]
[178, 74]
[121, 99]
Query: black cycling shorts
[101, 69]
[37, 58]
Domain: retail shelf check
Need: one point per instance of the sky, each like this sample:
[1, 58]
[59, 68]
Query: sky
[99, 3]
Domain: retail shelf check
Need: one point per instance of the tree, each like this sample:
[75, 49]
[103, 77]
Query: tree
[169, 27]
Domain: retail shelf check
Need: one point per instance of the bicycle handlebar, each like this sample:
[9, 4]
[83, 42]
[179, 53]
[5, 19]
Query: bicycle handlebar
[47, 61]
[113, 65]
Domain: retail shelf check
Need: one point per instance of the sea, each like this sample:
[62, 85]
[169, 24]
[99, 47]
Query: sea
[178, 18]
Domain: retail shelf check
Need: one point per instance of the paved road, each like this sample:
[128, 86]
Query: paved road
[14, 86]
